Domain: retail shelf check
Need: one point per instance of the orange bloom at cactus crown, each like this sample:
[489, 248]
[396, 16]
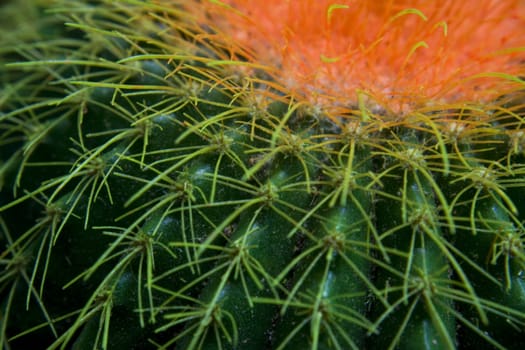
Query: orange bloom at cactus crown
[401, 54]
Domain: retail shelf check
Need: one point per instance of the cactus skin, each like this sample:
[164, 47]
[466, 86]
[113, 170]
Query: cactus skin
[152, 198]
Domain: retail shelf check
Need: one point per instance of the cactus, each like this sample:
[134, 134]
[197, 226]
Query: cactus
[250, 175]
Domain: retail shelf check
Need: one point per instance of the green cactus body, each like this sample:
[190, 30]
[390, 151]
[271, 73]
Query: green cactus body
[160, 189]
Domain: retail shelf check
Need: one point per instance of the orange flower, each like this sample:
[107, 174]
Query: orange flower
[402, 54]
